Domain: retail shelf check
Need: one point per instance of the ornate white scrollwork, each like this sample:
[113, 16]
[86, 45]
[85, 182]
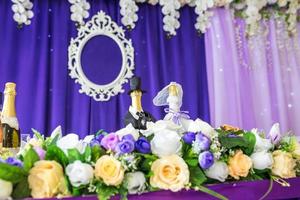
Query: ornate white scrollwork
[100, 24]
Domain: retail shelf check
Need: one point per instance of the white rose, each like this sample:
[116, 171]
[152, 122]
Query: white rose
[218, 171]
[135, 182]
[204, 127]
[6, 189]
[79, 173]
[165, 143]
[261, 144]
[262, 160]
[129, 129]
[71, 141]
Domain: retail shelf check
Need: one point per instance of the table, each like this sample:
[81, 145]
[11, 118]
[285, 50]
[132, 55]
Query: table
[244, 190]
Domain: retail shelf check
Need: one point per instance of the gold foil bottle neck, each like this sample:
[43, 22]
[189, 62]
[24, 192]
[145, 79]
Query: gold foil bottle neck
[9, 109]
[136, 100]
[10, 88]
[173, 90]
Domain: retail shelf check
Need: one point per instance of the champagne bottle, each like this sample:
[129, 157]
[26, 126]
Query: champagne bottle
[10, 125]
[136, 100]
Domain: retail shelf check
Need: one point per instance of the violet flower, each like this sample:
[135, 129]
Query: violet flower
[14, 162]
[189, 137]
[142, 145]
[110, 141]
[206, 159]
[202, 142]
[125, 146]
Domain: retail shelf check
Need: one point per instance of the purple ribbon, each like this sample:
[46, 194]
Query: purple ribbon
[177, 115]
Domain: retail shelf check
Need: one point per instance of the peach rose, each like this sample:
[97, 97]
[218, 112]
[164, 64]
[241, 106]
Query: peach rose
[46, 180]
[110, 170]
[170, 173]
[239, 165]
[284, 164]
[227, 127]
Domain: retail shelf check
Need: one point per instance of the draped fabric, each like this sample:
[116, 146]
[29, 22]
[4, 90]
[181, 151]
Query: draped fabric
[254, 82]
[36, 58]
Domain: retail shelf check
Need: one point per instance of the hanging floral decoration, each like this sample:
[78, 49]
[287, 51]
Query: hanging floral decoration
[79, 11]
[170, 10]
[253, 11]
[22, 11]
[129, 13]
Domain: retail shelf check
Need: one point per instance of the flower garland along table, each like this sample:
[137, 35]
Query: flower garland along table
[128, 162]
[238, 190]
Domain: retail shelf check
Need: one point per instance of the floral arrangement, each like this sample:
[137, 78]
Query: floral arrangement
[132, 162]
[253, 11]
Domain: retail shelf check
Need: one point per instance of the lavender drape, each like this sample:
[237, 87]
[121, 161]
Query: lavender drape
[254, 82]
[35, 57]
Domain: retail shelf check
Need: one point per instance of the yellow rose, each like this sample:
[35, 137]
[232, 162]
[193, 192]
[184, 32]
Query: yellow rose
[284, 164]
[110, 170]
[239, 165]
[170, 173]
[46, 180]
[296, 152]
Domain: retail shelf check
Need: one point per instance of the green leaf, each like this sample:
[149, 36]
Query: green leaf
[21, 190]
[106, 192]
[37, 134]
[73, 155]
[55, 153]
[29, 159]
[87, 154]
[11, 173]
[197, 176]
[211, 192]
[246, 141]
[97, 152]
[192, 162]
[52, 141]
[251, 140]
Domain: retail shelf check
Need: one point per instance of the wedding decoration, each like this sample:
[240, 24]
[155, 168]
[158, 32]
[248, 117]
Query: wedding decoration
[79, 10]
[22, 11]
[101, 25]
[106, 164]
[171, 15]
[128, 12]
[254, 12]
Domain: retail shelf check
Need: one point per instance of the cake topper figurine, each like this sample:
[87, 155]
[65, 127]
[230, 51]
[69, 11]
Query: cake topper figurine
[171, 96]
[136, 115]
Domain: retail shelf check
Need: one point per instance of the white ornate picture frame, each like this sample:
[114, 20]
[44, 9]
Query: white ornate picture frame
[100, 24]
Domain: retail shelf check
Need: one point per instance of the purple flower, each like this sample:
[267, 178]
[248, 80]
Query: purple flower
[40, 152]
[110, 141]
[96, 141]
[142, 145]
[206, 159]
[128, 137]
[125, 146]
[189, 137]
[202, 142]
[99, 137]
[14, 162]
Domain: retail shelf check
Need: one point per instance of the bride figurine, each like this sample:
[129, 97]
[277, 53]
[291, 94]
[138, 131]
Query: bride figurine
[178, 120]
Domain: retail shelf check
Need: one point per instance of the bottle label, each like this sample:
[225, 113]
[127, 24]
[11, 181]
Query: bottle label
[11, 121]
[11, 137]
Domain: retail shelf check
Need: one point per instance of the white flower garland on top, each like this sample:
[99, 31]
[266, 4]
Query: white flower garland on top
[129, 13]
[202, 9]
[22, 11]
[79, 11]
[170, 9]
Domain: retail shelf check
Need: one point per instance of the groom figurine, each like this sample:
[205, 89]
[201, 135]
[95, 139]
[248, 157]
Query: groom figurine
[136, 116]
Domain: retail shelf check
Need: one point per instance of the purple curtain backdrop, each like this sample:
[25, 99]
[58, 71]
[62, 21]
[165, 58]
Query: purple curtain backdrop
[35, 57]
[253, 83]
